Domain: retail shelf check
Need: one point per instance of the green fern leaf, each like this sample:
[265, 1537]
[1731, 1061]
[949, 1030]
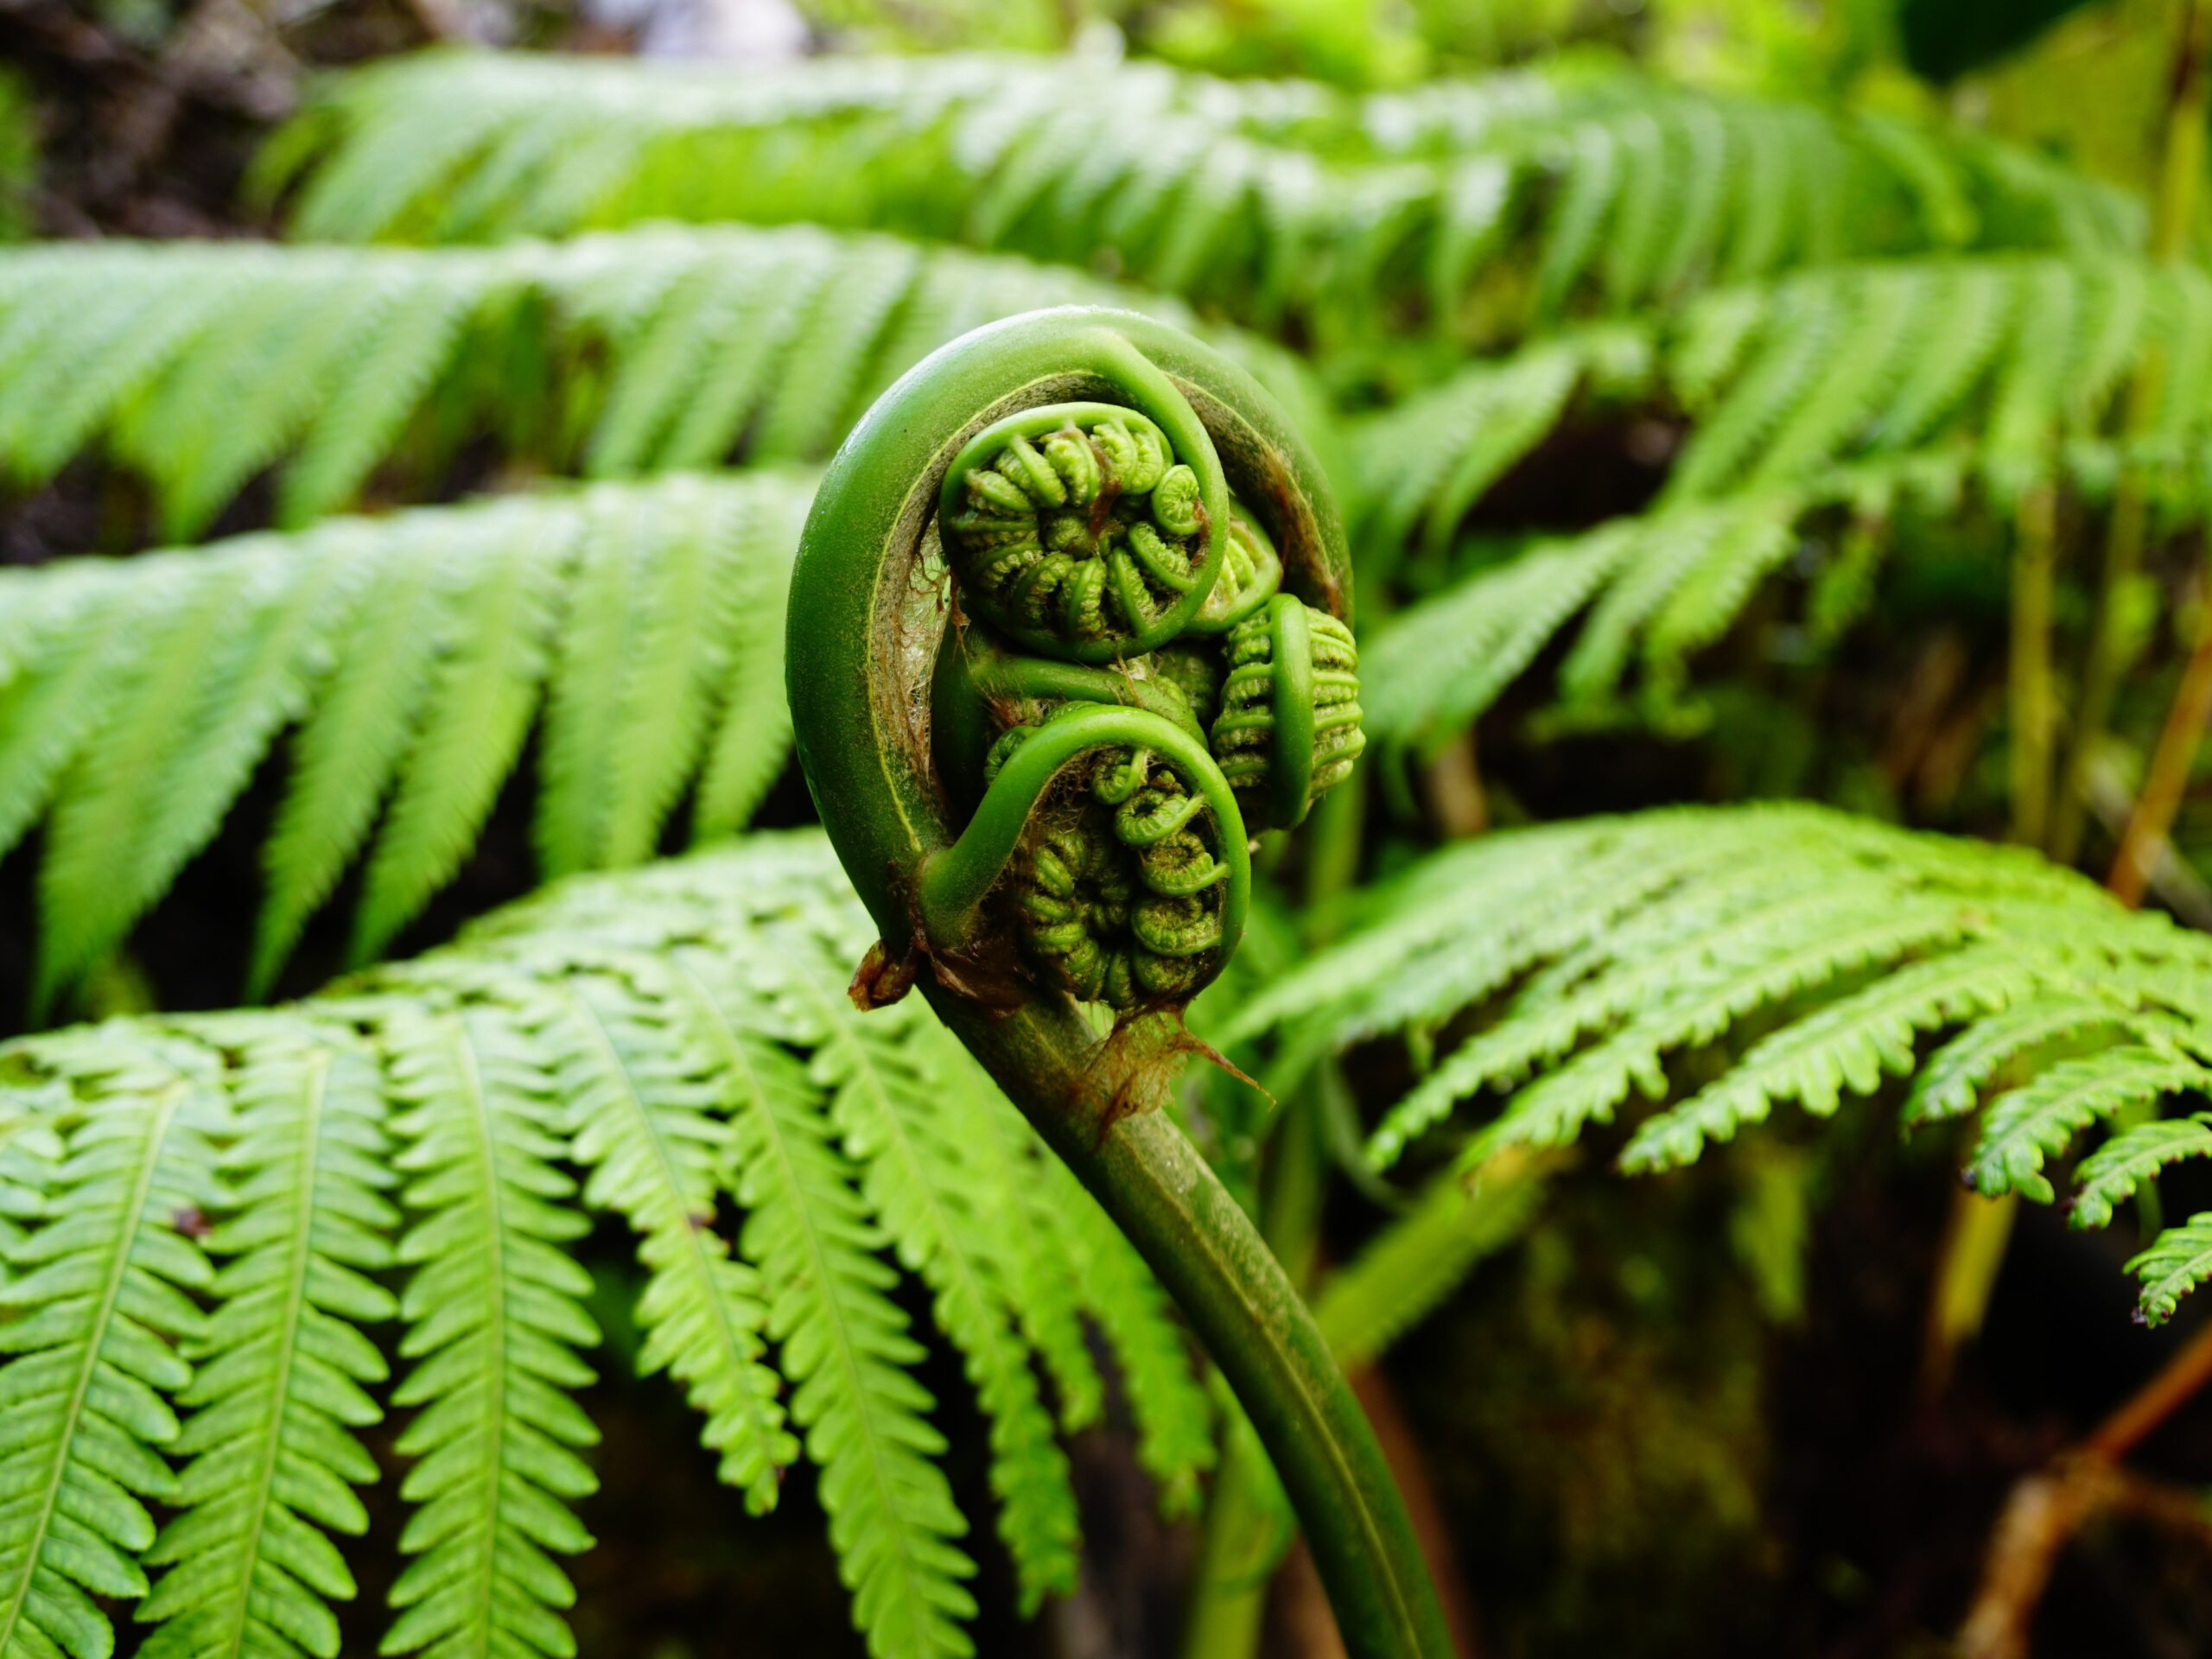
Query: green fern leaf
[96, 1289]
[198, 706]
[845, 1344]
[2039, 1119]
[752, 733]
[1846, 1047]
[1219, 189]
[662, 348]
[494, 1316]
[349, 745]
[283, 1369]
[1950, 1085]
[910, 1134]
[474, 718]
[2109, 1176]
[2176, 1263]
[78, 626]
[645, 1094]
[678, 1032]
[1176, 1439]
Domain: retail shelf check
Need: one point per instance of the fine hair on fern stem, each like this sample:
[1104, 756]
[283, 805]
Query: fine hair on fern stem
[1068, 616]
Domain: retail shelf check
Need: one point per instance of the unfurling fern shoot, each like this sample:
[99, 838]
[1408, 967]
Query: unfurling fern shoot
[1068, 622]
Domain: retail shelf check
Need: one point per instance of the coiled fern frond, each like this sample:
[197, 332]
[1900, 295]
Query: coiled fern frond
[409, 659]
[1714, 964]
[672, 1046]
[1260, 196]
[655, 350]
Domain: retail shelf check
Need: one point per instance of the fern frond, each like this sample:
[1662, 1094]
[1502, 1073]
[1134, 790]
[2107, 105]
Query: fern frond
[1642, 596]
[1721, 960]
[2041, 1118]
[494, 1315]
[887, 1135]
[908, 1127]
[410, 655]
[2109, 1176]
[1858, 367]
[2176, 1263]
[676, 1036]
[645, 1096]
[1176, 1431]
[98, 1290]
[662, 348]
[284, 1369]
[1256, 195]
[845, 1344]
[200, 702]
[1950, 1085]
[1430, 459]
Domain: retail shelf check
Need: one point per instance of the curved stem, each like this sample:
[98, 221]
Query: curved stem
[1098, 1111]
[1291, 775]
[954, 882]
[1041, 678]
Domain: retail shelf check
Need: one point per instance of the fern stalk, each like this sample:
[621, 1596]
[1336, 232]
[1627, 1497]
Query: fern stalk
[2171, 763]
[1244, 1523]
[2172, 216]
[2034, 703]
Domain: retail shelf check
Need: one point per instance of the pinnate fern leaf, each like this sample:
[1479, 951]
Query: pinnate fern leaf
[283, 1365]
[654, 350]
[100, 1287]
[410, 657]
[1261, 196]
[671, 1045]
[1721, 960]
[2176, 1263]
[1641, 597]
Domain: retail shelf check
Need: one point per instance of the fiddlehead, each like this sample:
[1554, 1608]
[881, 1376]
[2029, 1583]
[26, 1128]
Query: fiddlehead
[1288, 728]
[1024, 766]
[1079, 530]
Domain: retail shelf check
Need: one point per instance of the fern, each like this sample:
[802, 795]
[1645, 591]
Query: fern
[1720, 962]
[1263, 196]
[910, 1137]
[99, 1288]
[672, 1045]
[660, 1155]
[665, 349]
[1642, 596]
[283, 1369]
[410, 657]
[493, 1310]
[2176, 1263]
[1856, 365]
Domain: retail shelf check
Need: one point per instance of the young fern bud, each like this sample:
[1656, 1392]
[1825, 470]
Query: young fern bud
[1013, 766]
[1251, 571]
[1077, 530]
[1288, 728]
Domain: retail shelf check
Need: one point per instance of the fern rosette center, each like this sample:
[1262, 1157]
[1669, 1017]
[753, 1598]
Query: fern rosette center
[1077, 529]
[1121, 888]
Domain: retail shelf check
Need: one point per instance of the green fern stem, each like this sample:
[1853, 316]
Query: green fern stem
[868, 629]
